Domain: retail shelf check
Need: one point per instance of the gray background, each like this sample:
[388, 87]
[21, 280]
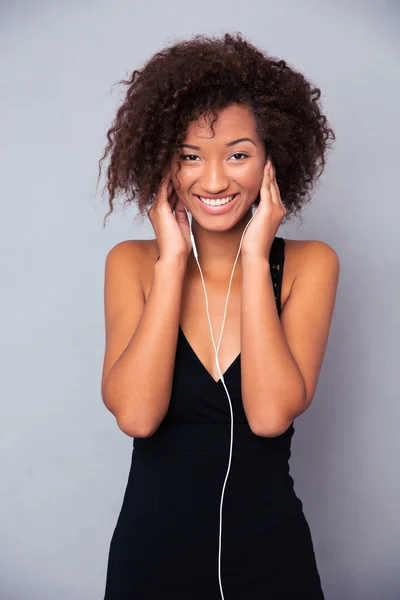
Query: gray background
[64, 462]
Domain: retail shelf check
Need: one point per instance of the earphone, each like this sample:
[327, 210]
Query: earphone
[216, 349]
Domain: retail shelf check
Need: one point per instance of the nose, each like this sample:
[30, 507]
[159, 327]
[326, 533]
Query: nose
[214, 179]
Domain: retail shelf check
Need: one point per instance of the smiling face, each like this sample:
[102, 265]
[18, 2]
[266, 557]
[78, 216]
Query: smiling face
[227, 166]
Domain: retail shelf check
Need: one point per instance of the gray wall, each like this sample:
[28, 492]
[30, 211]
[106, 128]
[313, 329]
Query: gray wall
[64, 462]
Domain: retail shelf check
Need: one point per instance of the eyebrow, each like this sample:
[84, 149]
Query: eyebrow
[245, 139]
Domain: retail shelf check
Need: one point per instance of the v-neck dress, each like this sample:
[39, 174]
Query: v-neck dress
[166, 541]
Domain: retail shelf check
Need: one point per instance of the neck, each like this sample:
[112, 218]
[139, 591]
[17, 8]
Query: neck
[217, 250]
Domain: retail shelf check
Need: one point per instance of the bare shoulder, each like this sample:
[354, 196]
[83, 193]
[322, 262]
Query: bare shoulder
[300, 246]
[311, 257]
[135, 257]
[140, 250]
[300, 254]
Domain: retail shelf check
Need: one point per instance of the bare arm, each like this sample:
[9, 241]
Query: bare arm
[282, 358]
[141, 339]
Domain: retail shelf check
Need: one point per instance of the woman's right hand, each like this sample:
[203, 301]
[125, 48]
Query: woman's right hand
[172, 232]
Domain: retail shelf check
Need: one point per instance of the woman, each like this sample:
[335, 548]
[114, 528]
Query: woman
[211, 128]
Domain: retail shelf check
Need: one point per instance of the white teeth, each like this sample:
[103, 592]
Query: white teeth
[218, 202]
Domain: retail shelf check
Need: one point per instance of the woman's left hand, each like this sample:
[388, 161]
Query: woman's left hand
[261, 232]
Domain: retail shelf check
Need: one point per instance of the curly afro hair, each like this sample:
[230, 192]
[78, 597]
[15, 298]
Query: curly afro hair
[199, 77]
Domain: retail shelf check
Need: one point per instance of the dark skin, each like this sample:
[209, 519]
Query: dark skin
[281, 357]
[209, 167]
[220, 169]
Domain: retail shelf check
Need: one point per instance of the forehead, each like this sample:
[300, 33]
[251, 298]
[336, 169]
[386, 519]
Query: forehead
[235, 120]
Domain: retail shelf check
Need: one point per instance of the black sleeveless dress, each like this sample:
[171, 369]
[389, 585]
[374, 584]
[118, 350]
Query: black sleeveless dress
[166, 541]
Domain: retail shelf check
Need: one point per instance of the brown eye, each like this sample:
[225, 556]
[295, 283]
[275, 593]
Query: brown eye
[187, 157]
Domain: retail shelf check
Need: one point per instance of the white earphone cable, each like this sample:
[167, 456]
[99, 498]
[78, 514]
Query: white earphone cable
[216, 349]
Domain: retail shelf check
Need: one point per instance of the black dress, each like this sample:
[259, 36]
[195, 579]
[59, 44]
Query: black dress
[166, 541]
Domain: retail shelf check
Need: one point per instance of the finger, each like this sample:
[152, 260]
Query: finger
[166, 177]
[265, 191]
[173, 198]
[164, 189]
[165, 182]
[180, 212]
[275, 194]
[273, 176]
[180, 207]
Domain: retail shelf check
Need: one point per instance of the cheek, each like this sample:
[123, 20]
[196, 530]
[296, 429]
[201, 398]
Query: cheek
[182, 180]
[252, 179]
